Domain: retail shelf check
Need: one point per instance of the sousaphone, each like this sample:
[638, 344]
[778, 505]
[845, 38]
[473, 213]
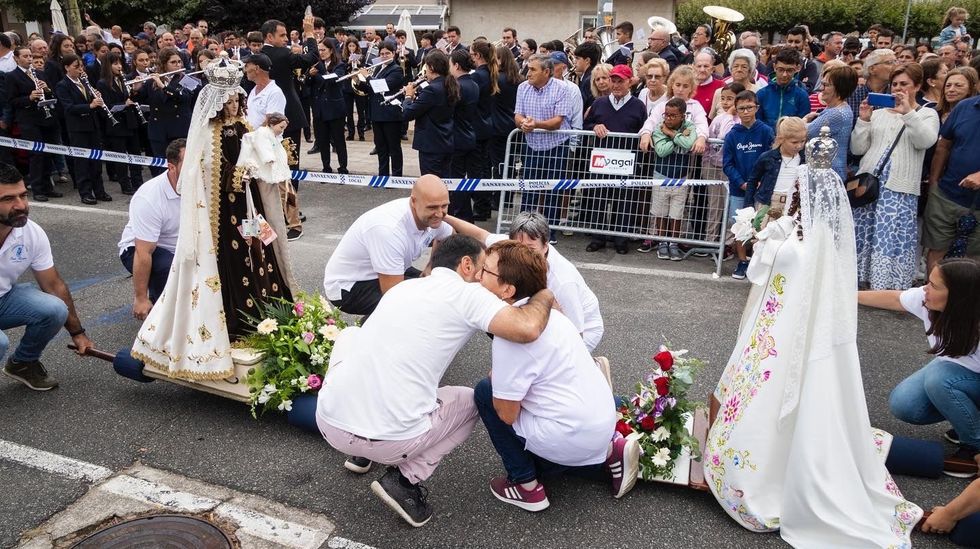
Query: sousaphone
[722, 36]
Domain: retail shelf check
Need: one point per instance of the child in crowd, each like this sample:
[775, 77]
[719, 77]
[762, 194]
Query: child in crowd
[773, 181]
[954, 27]
[672, 143]
[744, 145]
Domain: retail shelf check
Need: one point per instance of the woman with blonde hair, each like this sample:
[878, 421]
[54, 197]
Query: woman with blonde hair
[600, 80]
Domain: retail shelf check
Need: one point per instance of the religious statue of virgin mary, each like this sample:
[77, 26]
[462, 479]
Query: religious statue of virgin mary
[791, 447]
[221, 273]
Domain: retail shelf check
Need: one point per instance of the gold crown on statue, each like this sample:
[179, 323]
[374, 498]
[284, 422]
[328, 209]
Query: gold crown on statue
[224, 72]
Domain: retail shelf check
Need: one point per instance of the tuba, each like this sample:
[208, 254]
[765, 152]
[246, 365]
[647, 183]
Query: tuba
[722, 37]
[606, 36]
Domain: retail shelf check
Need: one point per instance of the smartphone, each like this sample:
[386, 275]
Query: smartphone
[886, 100]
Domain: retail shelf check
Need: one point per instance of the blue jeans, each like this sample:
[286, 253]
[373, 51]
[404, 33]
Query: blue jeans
[43, 315]
[941, 390]
[546, 164]
[161, 260]
[521, 465]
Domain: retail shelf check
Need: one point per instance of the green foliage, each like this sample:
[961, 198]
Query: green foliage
[129, 14]
[778, 16]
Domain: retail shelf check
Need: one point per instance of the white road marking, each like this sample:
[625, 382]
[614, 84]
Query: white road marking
[86, 209]
[272, 529]
[157, 494]
[52, 463]
[338, 542]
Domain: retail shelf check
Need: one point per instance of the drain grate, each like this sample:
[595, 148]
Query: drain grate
[158, 531]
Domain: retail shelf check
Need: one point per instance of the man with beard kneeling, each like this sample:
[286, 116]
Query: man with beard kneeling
[546, 406]
[381, 399]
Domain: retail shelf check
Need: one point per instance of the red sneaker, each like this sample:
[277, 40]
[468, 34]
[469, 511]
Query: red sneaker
[624, 465]
[514, 494]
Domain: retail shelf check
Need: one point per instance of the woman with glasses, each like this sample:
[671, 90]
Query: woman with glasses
[886, 232]
[838, 83]
[741, 64]
[655, 91]
[529, 47]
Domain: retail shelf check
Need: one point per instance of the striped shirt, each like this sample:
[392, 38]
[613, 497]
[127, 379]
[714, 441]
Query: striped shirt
[545, 103]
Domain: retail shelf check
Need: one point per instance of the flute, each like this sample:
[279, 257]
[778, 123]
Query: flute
[95, 93]
[140, 79]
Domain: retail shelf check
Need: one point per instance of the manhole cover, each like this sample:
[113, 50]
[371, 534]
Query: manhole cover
[163, 531]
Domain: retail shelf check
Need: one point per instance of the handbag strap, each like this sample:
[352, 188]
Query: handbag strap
[884, 158]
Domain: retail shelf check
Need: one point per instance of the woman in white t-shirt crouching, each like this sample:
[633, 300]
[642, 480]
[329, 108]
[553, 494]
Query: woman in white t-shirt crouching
[948, 387]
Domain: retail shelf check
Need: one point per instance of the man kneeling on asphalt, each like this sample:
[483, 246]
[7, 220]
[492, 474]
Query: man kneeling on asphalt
[378, 249]
[381, 399]
[148, 242]
[23, 245]
[546, 407]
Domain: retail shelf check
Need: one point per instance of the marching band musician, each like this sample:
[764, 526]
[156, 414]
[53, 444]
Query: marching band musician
[23, 96]
[508, 79]
[142, 59]
[329, 106]
[425, 46]
[485, 76]
[79, 105]
[432, 109]
[624, 36]
[121, 137]
[170, 104]
[408, 62]
[386, 120]
[465, 118]
[354, 60]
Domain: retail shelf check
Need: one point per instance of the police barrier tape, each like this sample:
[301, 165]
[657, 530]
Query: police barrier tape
[376, 181]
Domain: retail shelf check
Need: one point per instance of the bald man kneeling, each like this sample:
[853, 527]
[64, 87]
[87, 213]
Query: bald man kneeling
[377, 251]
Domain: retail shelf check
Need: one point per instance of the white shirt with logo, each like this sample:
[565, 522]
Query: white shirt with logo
[383, 376]
[154, 215]
[25, 247]
[384, 240]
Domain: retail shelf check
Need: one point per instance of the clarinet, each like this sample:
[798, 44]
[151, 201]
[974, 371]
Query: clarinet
[139, 110]
[44, 95]
[95, 93]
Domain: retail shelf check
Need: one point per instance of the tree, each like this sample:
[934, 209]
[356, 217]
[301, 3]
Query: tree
[129, 14]
[246, 15]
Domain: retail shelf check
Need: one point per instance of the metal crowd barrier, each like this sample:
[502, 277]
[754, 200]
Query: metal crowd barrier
[680, 198]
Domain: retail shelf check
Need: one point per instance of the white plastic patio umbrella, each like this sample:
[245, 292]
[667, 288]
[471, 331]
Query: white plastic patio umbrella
[58, 23]
[405, 24]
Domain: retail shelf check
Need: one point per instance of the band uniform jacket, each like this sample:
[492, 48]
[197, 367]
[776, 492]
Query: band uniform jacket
[284, 62]
[328, 95]
[80, 117]
[392, 74]
[170, 109]
[25, 110]
[622, 55]
[433, 118]
[128, 121]
[483, 125]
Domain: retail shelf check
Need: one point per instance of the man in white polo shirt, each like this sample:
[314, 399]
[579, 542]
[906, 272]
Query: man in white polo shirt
[576, 299]
[546, 407]
[149, 239]
[377, 251]
[24, 245]
[381, 399]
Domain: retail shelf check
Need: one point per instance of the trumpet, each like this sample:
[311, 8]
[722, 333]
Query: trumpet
[357, 73]
[44, 103]
[139, 110]
[394, 98]
[95, 93]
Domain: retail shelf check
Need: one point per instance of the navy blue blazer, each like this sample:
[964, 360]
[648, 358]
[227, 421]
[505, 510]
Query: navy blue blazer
[392, 74]
[328, 96]
[483, 125]
[170, 109]
[79, 116]
[433, 118]
[466, 115]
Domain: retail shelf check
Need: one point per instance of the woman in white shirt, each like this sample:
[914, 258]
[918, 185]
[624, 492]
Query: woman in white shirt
[654, 91]
[948, 387]
[886, 230]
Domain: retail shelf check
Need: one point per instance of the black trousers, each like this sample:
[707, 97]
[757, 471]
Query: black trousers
[361, 104]
[464, 164]
[131, 176]
[364, 296]
[388, 142]
[436, 163]
[331, 132]
[88, 173]
[482, 200]
[305, 101]
[39, 172]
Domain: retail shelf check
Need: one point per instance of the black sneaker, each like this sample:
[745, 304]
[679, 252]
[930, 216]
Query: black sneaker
[962, 464]
[313, 150]
[952, 436]
[31, 374]
[407, 501]
[294, 234]
[359, 465]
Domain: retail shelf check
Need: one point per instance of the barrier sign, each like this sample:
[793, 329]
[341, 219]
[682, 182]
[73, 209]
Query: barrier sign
[612, 162]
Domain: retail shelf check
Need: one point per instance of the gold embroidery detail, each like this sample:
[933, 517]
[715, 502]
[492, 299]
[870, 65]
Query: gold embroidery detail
[189, 340]
[261, 271]
[234, 244]
[275, 287]
[153, 327]
[204, 332]
[290, 147]
[234, 221]
[245, 281]
[214, 283]
[195, 294]
[263, 293]
[236, 179]
[249, 303]
[231, 197]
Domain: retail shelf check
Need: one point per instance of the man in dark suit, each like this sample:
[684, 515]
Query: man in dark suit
[283, 64]
[79, 105]
[624, 36]
[453, 38]
[23, 97]
[659, 43]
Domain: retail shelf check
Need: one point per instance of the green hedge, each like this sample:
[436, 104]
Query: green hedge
[778, 16]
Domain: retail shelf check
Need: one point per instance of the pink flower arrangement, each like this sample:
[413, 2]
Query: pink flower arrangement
[298, 309]
[314, 382]
[308, 337]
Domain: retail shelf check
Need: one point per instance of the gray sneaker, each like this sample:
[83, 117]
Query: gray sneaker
[408, 501]
[31, 374]
[675, 253]
[662, 251]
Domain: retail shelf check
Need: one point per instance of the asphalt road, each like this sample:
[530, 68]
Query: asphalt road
[99, 417]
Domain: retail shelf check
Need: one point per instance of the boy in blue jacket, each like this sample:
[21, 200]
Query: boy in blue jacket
[784, 96]
[744, 144]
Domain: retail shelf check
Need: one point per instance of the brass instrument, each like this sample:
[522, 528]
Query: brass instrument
[394, 98]
[722, 36]
[139, 108]
[151, 75]
[45, 103]
[606, 37]
[357, 78]
[95, 93]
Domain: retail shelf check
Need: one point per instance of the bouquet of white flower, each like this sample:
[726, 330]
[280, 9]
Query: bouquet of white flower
[296, 339]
